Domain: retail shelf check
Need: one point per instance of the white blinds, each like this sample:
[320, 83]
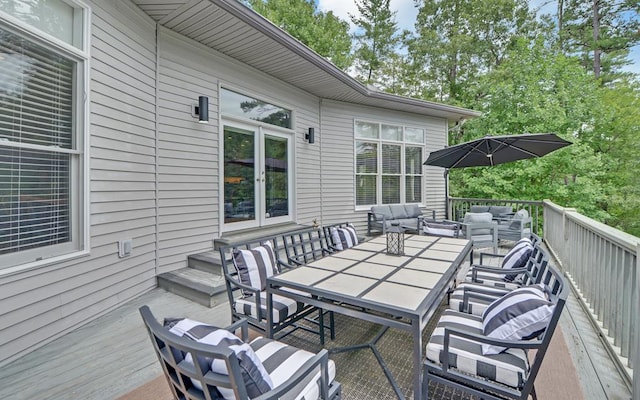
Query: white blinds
[36, 127]
[388, 163]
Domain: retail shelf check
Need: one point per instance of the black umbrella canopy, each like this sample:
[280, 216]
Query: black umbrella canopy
[493, 150]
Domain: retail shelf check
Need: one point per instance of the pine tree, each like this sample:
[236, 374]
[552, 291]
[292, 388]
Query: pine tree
[376, 39]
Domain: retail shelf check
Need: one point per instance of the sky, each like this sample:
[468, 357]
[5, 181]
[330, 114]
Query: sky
[407, 12]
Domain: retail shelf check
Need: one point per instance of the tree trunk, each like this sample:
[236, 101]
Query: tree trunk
[596, 37]
[561, 25]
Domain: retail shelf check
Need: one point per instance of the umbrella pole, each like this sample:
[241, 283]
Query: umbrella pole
[446, 193]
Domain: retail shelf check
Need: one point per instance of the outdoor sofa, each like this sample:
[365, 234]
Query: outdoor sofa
[408, 216]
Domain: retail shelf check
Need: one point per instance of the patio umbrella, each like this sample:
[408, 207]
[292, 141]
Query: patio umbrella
[493, 150]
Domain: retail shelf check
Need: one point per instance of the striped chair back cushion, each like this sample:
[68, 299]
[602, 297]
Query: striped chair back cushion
[255, 265]
[343, 238]
[517, 257]
[522, 314]
[255, 377]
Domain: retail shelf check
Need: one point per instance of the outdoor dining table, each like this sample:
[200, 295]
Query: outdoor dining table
[365, 282]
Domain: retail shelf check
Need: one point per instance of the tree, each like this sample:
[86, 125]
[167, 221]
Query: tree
[459, 40]
[615, 134]
[377, 39]
[325, 33]
[600, 32]
[538, 90]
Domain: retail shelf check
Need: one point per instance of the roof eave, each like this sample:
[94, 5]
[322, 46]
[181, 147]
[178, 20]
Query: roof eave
[247, 15]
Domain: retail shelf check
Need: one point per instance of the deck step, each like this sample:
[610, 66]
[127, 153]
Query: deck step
[208, 261]
[206, 288]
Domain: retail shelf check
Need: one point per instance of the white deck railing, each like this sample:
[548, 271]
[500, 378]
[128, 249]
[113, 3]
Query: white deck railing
[603, 265]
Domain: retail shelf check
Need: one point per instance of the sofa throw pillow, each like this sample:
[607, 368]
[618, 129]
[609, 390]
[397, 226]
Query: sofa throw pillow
[344, 238]
[517, 257]
[255, 377]
[254, 266]
[521, 314]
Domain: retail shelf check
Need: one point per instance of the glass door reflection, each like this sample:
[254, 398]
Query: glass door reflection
[240, 176]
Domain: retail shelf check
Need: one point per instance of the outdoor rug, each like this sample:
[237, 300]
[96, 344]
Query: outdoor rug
[359, 372]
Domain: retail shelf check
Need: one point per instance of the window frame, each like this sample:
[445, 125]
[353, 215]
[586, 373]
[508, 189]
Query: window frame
[79, 245]
[380, 142]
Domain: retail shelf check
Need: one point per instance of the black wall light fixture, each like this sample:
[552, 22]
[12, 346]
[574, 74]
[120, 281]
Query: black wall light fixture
[201, 110]
[310, 136]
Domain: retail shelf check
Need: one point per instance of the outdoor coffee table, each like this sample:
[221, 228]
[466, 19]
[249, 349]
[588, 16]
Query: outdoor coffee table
[394, 291]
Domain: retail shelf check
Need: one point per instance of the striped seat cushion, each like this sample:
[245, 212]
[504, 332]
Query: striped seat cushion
[491, 279]
[509, 367]
[254, 266]
[344, 238]
[476, 305]
[283, 307]
[281, 361]
[256, 378]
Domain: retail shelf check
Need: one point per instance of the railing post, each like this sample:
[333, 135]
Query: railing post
[565, 211]
[636, 354]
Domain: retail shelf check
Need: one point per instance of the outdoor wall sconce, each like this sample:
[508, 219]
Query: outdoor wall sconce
[310, 136]
[395, 240]
[201, 110]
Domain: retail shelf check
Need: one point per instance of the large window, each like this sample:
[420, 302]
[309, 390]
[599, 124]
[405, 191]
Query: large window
[388, 163]
[42, 116]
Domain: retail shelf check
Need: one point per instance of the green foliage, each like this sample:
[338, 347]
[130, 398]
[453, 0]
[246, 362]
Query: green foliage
[600, 33]
[536, 90]
[457, 41]
[325, 33]
[376, 38]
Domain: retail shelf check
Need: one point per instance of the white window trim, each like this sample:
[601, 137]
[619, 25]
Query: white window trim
[83, 134]
[380, 141]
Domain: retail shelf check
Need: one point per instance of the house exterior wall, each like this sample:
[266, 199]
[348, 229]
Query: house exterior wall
[338, 166]
[40, 304]
[189, 186]
[155, 172]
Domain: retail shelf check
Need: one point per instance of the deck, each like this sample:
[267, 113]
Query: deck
[112, 356]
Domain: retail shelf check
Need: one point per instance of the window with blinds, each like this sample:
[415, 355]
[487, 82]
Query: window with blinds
[39, 159]
[388, 163]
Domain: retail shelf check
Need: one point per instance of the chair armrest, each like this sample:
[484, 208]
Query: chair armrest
[376, 217]
[241, 324]
[491, 255]
[236, 284]
[476, 337]
[482, 339]
[495, 270]
[472, 294]
[319, 361]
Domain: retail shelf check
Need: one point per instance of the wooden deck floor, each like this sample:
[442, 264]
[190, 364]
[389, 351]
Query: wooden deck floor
[112, 356]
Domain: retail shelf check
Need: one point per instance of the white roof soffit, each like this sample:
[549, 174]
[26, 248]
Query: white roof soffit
[231, 28]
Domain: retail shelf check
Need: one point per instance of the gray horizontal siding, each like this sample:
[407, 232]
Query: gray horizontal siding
[188, 184]
[338, 190]
[39, 305]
